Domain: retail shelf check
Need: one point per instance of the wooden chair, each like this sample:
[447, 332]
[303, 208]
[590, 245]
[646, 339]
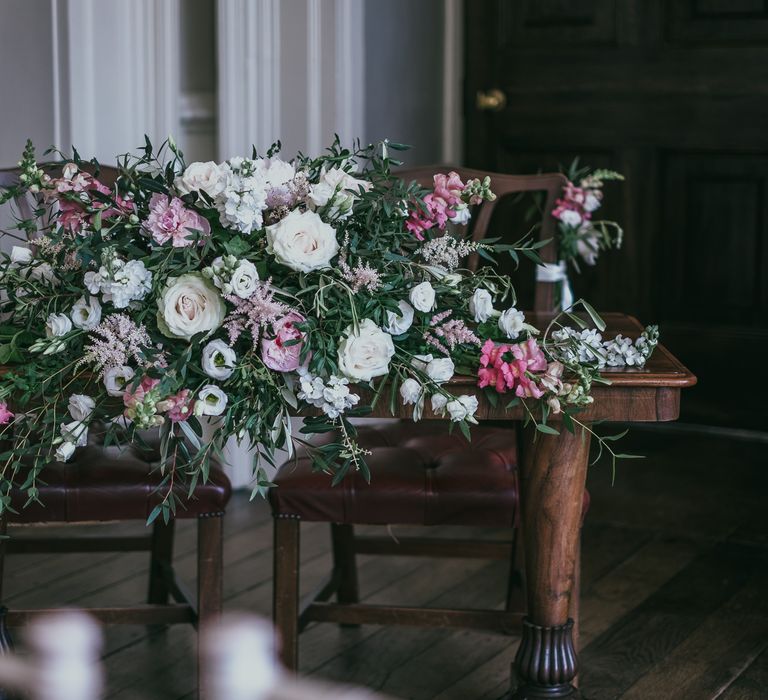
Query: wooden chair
[421, 476]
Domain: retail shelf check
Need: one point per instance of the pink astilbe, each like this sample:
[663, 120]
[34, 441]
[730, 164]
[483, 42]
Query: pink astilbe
[254, 313]
[361, 276]
[451, 332]
[115, 342]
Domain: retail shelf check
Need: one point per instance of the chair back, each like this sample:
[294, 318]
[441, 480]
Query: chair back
[504, 185]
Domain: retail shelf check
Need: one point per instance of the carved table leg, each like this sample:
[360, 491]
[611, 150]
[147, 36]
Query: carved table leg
[552, 477]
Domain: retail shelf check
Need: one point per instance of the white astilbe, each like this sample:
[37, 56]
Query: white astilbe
[115, 342]
[244, 198]
[446, 251]
[332, 396]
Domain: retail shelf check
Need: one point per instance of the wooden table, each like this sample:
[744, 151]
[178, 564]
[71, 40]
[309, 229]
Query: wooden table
[553, 470]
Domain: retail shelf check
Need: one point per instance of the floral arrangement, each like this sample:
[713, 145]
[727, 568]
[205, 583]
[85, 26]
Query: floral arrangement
[242, 292]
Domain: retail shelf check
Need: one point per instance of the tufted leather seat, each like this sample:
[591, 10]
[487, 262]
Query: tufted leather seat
[111, 483]
[421, 475]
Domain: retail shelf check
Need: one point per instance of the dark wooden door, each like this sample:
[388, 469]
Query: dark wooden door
[674, 94]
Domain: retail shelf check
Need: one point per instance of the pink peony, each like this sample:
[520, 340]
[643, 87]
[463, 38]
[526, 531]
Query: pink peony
[132, 397]
[274, 351]
[6, 416]
[180, 406]
[170, 220]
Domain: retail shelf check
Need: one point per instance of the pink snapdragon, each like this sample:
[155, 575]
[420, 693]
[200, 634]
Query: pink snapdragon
[170, 219]
[131, 397]
[510, 367]
[441, 205]
[274, 351]
[6, 416]
[576, 205]
[179, 407]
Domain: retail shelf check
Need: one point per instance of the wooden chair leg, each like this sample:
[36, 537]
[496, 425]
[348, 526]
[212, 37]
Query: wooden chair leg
[344, 562]
[576, 596]
[286, 589]
[160, 561]
[516, 600]
[210, 543]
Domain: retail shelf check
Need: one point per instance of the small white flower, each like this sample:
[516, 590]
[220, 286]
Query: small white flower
[410, 391]
[116, 379]
[244, 279]
[92, 281]
[439, 402]
[75, 432]
[422, 296]
[81, 406]
[399, 324]
[21, 255]
[211, 401]
[86, 315]
[337, 190]
[512, 322]
[481, 305]
[218, 360]
[570, 218]
[462, 408]
[591, 202]
[440, 370]
[64, 451]
[57, 325]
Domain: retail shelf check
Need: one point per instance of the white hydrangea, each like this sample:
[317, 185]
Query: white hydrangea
[333, 397]
[244, 197]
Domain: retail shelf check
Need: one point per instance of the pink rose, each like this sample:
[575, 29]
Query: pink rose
[274, 351]
[170, 220]
[6, 416]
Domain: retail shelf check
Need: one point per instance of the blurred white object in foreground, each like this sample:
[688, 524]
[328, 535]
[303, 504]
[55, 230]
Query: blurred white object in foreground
[241, 664]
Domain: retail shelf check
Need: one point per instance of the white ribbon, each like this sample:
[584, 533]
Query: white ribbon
[554, 273]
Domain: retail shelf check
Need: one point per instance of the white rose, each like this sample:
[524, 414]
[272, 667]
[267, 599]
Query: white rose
[116, 379]
[512, 322]
[202, 177]
[244, 279]
[422, 296]
[481, 305]
[302, 241]
[439, 403]
[410, 391]
[86, 314]
[462, 408]
[188, 305]
[570, 218]
[340, 189]
[365, 354]
[211, 401]
[21, 255]
[399, 324]
[218, 360]
[57, 324]
[75, 432]
[275, 171]
[440, 370]
[81, 406]
[64, 451]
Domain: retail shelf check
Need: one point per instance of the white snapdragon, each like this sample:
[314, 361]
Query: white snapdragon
[410, 391]
[481, 305]
[218, 360]
[86, 315]
[211, 401]
[337, 191]
[422, 296]
[81, 406]
[117, 378]
[397, 324]
[332, 397]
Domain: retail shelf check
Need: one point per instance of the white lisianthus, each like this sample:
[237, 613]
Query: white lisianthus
[86, 315]
[410, 391]
[302, 241]
[440, 370]
[202, 177]
[420, 362]
[481, 305]
[439, 402]
[211, 401]
[399, 324]
[218, 360]
[64, 451]
[81, 406]
[365, 354]
[57, 325]
[462, 408]
[75, 432]
[188, 305]
[44, 273]
[512, 322]
[116, 379]
[422, 296]
[571, 218]
[340, 189]
[21, 255]
[244, 279]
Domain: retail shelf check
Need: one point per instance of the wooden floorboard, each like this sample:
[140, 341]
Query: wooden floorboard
[674, 579]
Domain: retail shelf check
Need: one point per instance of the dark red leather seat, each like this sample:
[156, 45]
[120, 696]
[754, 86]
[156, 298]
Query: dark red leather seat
[421, 475]
[111, 483]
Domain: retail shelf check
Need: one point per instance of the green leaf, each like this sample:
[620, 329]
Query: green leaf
[546, 429]
[594, 315]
